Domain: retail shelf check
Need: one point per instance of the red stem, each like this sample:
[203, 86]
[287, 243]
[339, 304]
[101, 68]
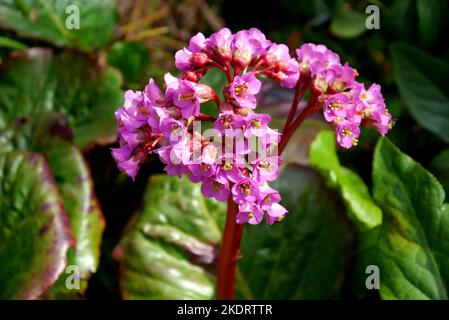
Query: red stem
[229, 254]
[301, 88]
[290, 130]
[217, 100]
[205, 117]
[227, 70]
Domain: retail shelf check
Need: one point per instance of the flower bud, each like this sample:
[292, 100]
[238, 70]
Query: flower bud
[199, 59]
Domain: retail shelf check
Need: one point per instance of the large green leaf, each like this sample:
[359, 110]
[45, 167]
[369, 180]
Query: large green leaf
[48, 20]
[34, 234]
[431, 14]
[35, 81]
[439, 166]
[47, 134]
[304, 256]
[169, 250]
[361, 207]
[411, 247]
[424, 85]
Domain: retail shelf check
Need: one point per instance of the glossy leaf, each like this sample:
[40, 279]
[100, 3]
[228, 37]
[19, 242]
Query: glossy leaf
[34, 234]
[35, 82]
[439, 166]
[55, 21]
[348, 24]
[431, 15]
[131, 58]
[411, 247]
[305, 255]
[47, 134]
[361, 207]
[169, 250]
[424, 85]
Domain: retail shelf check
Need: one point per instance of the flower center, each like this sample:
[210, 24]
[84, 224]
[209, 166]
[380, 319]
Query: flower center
[186, 96]
[257, 123]
[245, 188]
[266, 164]
[216, 186]
[335, 105]
[227, 121]
[241, 89]
[227, 166]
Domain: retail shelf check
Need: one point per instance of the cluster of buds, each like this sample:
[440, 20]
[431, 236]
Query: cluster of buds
[238, 157]
[346, 103]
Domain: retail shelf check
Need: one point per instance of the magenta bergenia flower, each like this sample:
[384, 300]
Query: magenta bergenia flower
[244, 90]
[164, 122]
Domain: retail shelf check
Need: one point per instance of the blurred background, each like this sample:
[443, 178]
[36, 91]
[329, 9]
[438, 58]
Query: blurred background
[59, 89]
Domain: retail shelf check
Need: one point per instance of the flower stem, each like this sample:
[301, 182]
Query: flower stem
[229, 253]
[290, 130]
[300, 89]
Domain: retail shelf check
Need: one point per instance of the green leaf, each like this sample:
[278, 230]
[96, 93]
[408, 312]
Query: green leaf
[169, 249]
[431, 14]
[52, 21]
[131, 58]
[348, 24]
[359, 203]
[35, 82]
[423, 82]
[411, 247]
[12, 44]
[305, 255]
[439, 166]
[47, 134]
[34, 237]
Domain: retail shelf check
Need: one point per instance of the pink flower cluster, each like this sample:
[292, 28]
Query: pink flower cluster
[346, 103]
[238, 156]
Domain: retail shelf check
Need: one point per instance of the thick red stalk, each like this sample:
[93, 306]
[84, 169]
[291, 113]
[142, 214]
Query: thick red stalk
[290, 130]
[229, 253]
[301, 88]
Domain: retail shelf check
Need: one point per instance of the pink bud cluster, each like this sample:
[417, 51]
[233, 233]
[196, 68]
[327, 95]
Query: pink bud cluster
[346, 103]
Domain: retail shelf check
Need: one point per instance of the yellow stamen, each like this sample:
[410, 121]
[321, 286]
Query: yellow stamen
[227, 166]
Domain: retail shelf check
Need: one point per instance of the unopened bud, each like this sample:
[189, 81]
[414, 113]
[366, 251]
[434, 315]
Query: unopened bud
[241, 59]
[190, 75]
[205, 93]
[199, 59]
